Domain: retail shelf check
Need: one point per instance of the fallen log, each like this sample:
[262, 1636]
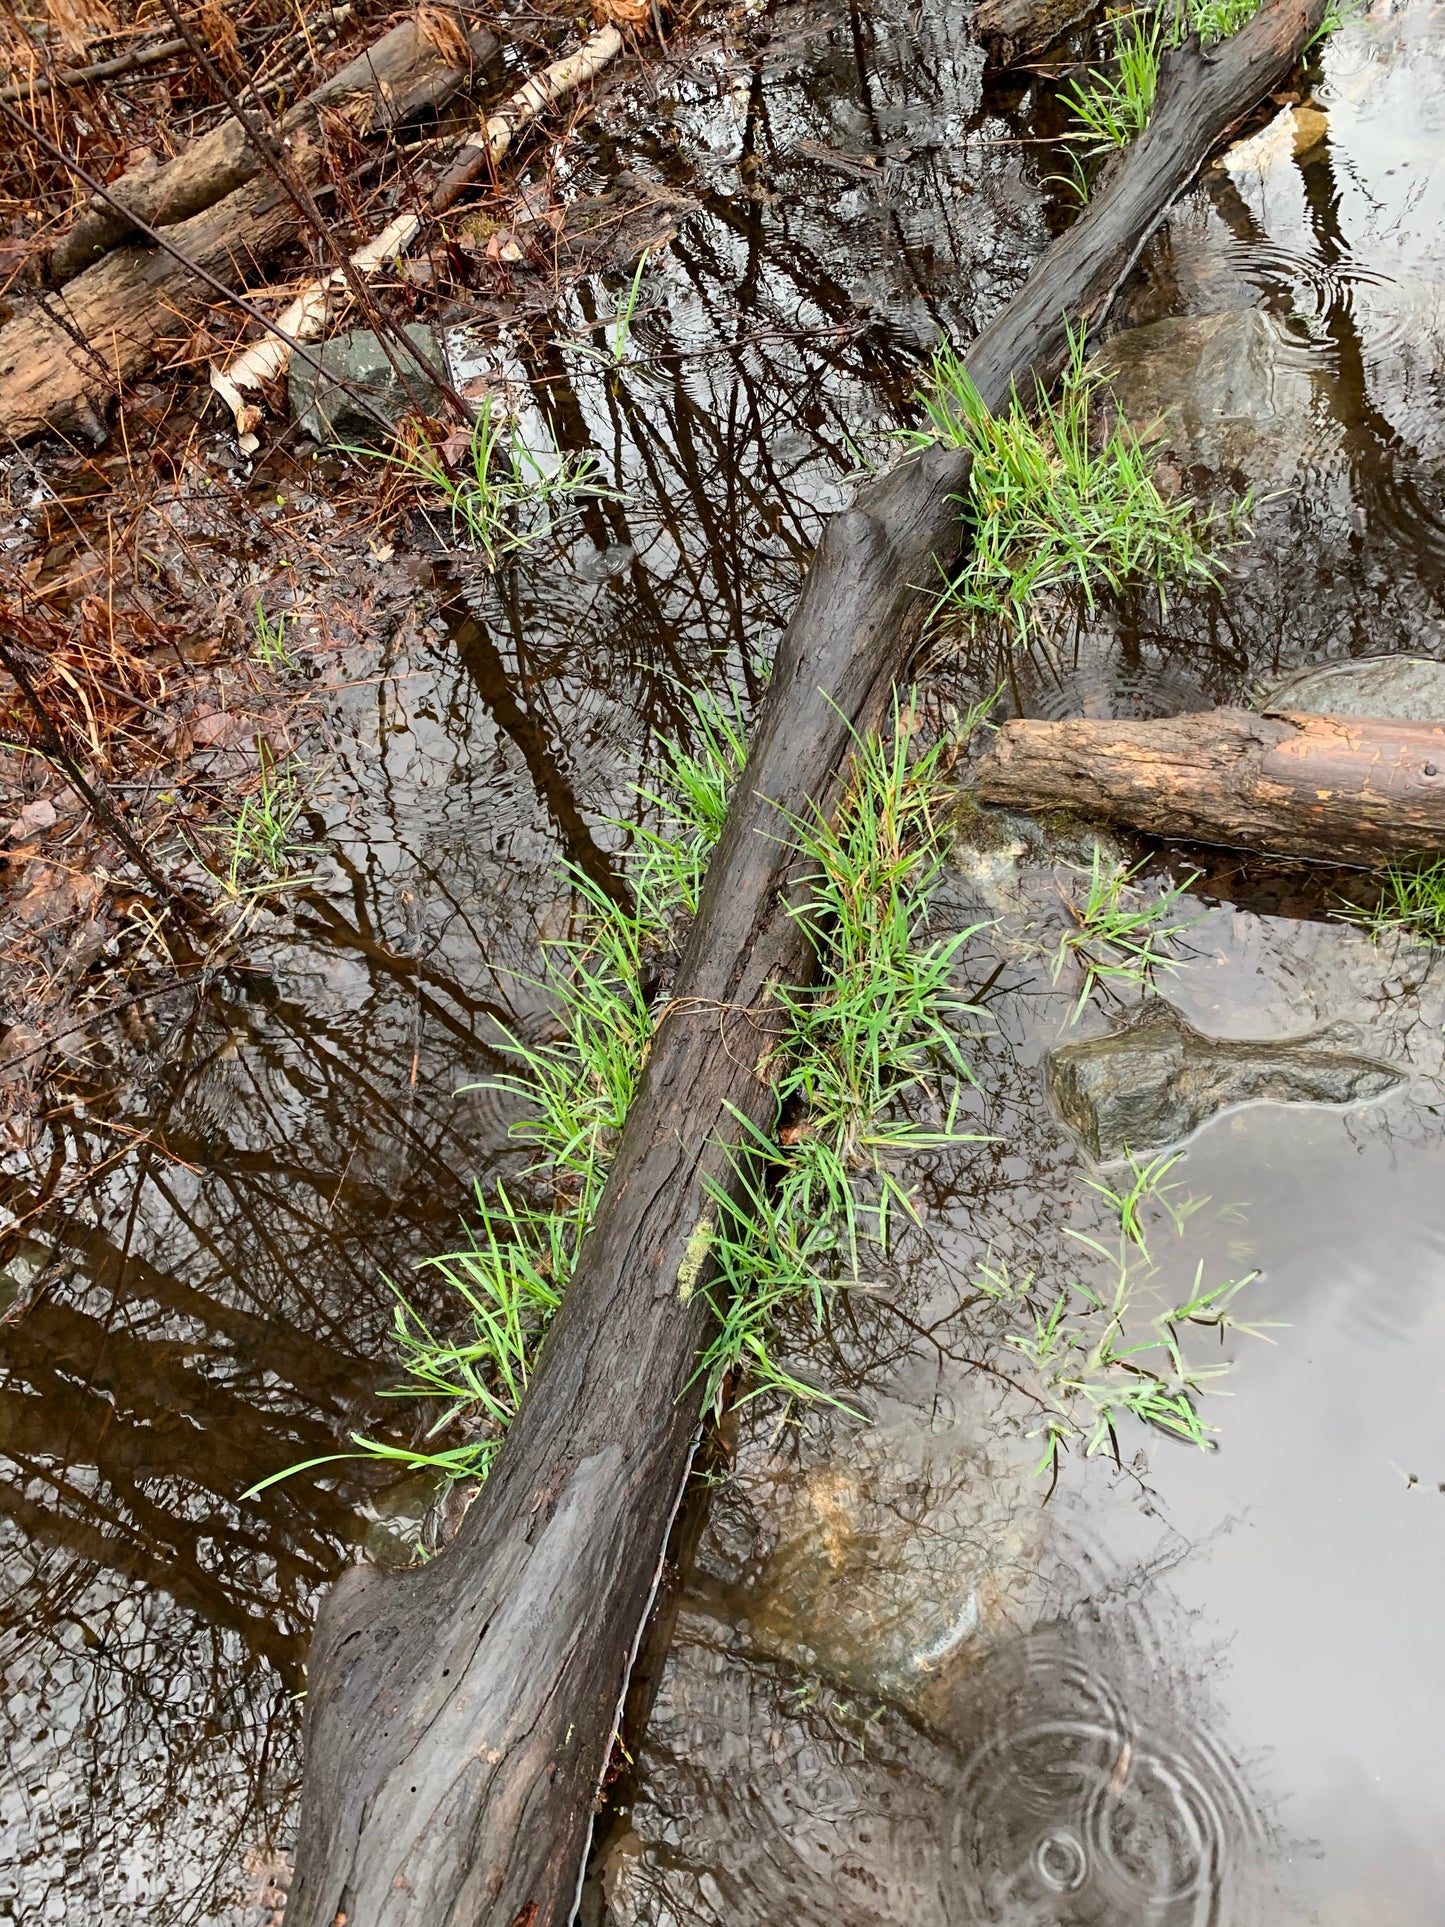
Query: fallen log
[1339, 789]
[401, 75]
[64, 356]
[1011, 31]
[460, 1718]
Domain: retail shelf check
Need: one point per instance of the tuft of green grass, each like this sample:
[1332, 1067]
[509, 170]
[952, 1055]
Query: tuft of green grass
[1113, 104]
[261, 842]
[870, 1035]
[1148, 1186]
[880, 1024]
[613, 354]
[1118, 934]
[271, 646]
[1412, 900]
[1055, 504]
[500, 497]
[1096, 1358]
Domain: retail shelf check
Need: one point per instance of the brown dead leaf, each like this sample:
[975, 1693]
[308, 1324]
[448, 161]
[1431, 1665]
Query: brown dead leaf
[219, 32]
[442, 32]
[79, 21]
[36, 816]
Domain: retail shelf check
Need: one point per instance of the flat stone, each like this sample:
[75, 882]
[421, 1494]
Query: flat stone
[1407, 689]
[1229, 391]
[329, 412]
[1157, 1082]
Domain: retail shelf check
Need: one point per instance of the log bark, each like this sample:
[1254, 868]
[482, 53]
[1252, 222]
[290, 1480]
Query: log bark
[459, 1718]
[1339, 789]
[64, 356]
[398, 77]
[1010, 31]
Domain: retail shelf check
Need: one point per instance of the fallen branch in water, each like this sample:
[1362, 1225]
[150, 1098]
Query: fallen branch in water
[1339, 789]
[460, 1717]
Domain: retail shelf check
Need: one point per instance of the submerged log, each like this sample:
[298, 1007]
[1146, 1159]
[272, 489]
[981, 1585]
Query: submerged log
[1010, 31]
[460, 1718]
[64, 356]
[1340, 789]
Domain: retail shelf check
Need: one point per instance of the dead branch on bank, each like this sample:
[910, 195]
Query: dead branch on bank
[313, 308]
[460, 1718]
[1340, 789]
[64, 356]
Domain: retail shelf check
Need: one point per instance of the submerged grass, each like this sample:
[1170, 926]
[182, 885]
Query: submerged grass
[260, 841]
[1056, 502]
[1118, 935]
[1097, 1356]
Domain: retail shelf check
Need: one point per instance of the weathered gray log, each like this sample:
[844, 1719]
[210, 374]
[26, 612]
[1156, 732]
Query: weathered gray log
[398, 77]
[1339, 789]
[459, 1718]
[1010, 31]
[64, 355]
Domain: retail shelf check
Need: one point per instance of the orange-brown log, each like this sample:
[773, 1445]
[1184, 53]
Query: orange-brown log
[1339, 789]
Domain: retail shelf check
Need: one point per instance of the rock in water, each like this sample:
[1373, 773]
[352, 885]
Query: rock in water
[1230, 391]
[1155, 1083]
[328, 412]
[1409, 689]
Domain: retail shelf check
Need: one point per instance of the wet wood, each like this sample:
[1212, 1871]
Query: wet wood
[400, 76]
[1010, 31]
[460, 1717]
[64, 356]
[1341, 789]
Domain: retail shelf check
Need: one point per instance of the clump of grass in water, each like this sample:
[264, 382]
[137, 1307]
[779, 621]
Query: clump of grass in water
[868, 1035]
[1119, 935]
[1412, 901]
[1053, 505]
[271, 646]
[261, 838]
[880, 1023]
[1096, 1360]
[500, 497]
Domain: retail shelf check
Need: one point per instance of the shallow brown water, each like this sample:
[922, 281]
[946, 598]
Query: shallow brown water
[1194, 1688]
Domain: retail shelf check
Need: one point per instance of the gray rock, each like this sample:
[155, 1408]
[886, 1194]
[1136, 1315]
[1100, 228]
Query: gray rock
[1230, 391]
[1407, 688]
[1155, 1083]
[328, 412]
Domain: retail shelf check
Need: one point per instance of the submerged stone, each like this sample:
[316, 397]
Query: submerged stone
[1157, 1082]
[323, 404]
[1407, 689]
[1229, 391]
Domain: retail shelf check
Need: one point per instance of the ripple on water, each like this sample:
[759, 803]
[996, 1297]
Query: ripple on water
[1076, 1807]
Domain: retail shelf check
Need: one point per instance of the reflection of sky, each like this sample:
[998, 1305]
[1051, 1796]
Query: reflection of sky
[1325, 1595]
